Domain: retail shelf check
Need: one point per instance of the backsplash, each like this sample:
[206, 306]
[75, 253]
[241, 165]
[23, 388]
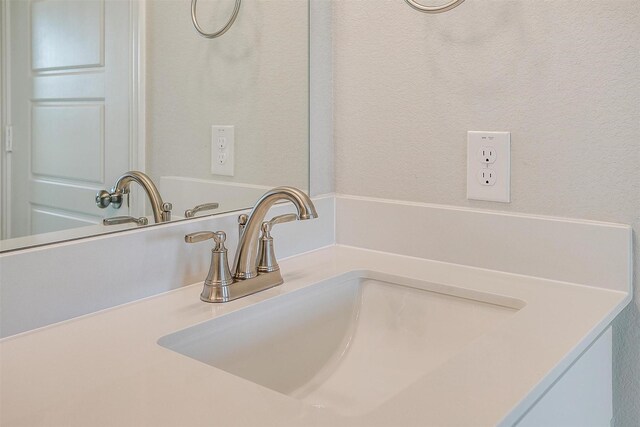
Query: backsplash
[552, 248]
[42, 286]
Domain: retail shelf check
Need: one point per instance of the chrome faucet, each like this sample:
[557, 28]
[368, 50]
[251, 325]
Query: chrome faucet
[255, 267]
[246, 261]
[161, 210]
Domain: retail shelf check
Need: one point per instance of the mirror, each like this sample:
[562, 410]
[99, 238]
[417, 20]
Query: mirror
[92, 89]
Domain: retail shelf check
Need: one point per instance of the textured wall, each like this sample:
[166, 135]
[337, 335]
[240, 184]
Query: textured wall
[254, 77]
[321, 148]
[562, 76]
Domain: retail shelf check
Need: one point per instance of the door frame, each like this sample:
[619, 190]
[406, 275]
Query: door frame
[5, 172]
[137, 103]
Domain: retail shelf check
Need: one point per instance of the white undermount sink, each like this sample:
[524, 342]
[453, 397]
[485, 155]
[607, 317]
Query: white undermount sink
[349, 343]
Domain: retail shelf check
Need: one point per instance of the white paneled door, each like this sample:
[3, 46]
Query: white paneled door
[70, 106]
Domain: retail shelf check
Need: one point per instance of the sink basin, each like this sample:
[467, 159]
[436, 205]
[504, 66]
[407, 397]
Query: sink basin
[349, 343]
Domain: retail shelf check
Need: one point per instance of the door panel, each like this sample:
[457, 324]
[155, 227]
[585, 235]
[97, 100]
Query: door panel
[67, 34]
[44, 220]
[67, 141]
[70, 197]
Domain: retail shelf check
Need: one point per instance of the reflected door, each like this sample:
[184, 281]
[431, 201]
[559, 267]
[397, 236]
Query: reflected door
[71, 73]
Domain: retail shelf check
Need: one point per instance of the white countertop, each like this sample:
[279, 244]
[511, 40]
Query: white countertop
[107, 369]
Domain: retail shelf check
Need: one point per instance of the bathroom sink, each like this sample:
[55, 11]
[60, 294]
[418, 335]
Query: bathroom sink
[349, 343]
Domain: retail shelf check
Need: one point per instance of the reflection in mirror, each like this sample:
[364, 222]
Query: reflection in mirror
[92, 89]
[435, 8]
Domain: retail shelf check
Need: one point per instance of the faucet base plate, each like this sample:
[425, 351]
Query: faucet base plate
[241, 288]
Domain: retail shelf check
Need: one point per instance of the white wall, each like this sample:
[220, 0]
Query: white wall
[251, 77]
[562, 76]
[321, 148]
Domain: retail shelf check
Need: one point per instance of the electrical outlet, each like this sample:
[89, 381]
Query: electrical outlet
[487, 177]
[487, 154]
[489, 166]
[222, 150]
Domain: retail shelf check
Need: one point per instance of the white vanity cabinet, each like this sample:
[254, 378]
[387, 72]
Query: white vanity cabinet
[582, 396]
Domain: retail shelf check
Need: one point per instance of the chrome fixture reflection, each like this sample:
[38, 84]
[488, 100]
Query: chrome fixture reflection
[190, 213]
[117, 220]
[222, 30]
[161, 210]
[255, 267]
[434, 9]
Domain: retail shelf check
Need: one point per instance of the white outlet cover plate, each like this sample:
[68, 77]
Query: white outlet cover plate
[500, 142]
[226, 135]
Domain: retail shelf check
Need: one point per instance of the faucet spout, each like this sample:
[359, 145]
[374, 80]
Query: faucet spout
[246, 260]
[161, 210]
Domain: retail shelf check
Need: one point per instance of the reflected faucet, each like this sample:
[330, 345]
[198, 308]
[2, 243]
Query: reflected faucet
[255, 267]
[161, 210]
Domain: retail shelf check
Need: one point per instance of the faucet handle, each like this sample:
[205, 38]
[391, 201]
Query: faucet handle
[267, 261]
[117, 220]
[268, 225]
[218, 236]
[244, 218]
[190, 213]
[219, 276]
